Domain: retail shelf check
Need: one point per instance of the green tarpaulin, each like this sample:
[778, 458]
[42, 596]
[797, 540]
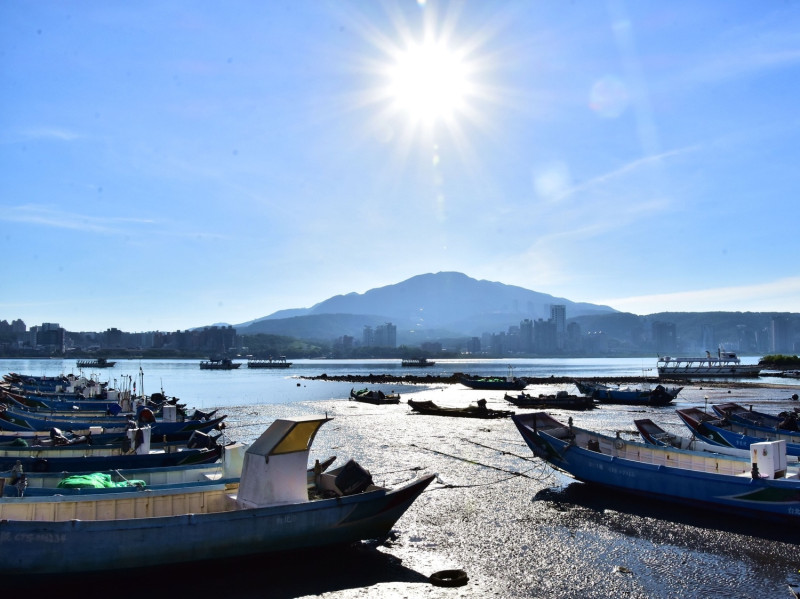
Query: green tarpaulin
[96, 480]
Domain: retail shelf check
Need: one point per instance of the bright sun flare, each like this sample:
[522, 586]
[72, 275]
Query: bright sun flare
[429, 82]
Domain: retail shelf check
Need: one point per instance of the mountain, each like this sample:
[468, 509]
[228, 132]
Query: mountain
[423, 307]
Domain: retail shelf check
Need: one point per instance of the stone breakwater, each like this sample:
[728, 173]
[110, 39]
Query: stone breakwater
[455, 378]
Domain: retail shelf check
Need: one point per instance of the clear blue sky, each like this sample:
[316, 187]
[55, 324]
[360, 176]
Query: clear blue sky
[165, 165]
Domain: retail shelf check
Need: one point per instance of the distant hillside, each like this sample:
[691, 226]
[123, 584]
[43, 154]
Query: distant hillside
[422, 307]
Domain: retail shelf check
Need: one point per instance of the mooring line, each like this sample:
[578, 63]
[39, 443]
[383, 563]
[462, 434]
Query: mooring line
[455, 457]
[503, 451]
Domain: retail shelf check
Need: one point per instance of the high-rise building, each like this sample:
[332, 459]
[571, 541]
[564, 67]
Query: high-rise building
[558, 314]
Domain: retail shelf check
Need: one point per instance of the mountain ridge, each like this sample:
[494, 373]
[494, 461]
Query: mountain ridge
[422, 307]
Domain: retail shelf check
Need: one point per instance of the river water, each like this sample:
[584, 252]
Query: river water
[517, 527]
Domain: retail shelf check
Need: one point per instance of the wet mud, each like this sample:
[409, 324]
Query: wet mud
[513, 524]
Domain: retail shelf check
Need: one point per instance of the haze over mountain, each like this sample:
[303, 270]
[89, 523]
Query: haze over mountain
[423, 307]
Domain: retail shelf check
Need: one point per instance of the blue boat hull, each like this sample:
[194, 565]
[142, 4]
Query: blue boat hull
[84, 546]
[81, 463]
[776, 500]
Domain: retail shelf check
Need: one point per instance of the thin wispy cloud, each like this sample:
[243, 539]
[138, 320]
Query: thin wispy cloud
[774, 296]
[53, 133]
[625, 170]
[47, 217]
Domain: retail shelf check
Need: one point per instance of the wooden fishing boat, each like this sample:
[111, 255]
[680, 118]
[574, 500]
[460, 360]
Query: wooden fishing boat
[478, 411]
[374, 397]
[751, 422]
[507, 383]
[11, 421]
[271, 511]
[633, 396]
[560, 401]
[653, 434]
[721, 431]
[45, 484]
[760, 487]
[228, 470]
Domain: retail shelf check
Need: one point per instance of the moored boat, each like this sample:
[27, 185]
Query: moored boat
[219, 364]
[725, 364]
[417, 362]
[480, 410]
[279, 362]
[374, 397]
[96, 363]
[562, 400]
[634, 396]
[653, 434]
[271, 511]
[761, 487]
[507, 383]
[721, 431]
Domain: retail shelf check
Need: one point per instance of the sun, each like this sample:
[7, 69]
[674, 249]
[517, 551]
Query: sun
[429, 82]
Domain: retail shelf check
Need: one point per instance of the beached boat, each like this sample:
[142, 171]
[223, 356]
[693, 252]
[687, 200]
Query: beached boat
[219, 364]
[653, 434]
[477, 411]
[271, 511]
[633, 396]
[228, 470]
[760, 487]
[507, 383]
[560, 401]
[721, 431]
[279, 362]
[41, 484]
[417, 362]
[786, 422]
[173, 430]
[39, 461]
[374, 397]
[96, 363]
[725, 364]
[760, 424]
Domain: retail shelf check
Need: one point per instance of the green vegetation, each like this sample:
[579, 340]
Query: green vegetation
[780, 361]
[265, 346]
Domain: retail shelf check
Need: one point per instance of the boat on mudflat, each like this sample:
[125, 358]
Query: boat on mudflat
[480, 410]
[760, 487]
[273, 510]
[507, 383]
[11, 421]
[725, 364]
[560, 401]
[721, 431]
[784, 423]
[374, 397]
[653, 434]
[632, 396]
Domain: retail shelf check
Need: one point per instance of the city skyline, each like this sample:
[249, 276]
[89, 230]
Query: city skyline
[174, 166]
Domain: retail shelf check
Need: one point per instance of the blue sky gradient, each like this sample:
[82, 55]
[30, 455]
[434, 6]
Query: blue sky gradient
[165, 165]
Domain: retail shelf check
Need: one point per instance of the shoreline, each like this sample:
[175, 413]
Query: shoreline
[454, 379]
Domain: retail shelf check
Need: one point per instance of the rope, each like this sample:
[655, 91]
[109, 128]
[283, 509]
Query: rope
[469, 461]
[502, 451]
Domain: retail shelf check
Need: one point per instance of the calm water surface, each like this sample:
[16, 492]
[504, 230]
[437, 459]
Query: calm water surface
[245, 386]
